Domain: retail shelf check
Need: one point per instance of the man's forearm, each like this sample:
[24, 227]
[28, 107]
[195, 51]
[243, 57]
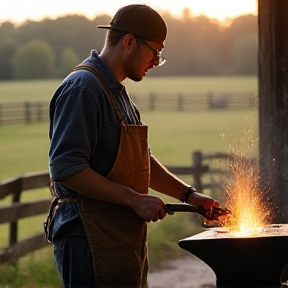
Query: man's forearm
[92, 185]
[167, 183]
[164, 181]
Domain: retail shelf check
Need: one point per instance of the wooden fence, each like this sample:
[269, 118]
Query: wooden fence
[16, 210]
[200, 101]
[29, 112]
[24, 112]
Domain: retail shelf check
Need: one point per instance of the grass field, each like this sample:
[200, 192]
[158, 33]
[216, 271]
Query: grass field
[173, 137]
[41, 90]
[171, 134]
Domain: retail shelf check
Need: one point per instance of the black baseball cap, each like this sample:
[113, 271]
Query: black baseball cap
[139, 20]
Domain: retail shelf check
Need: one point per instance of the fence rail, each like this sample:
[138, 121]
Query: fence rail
[24, 112]
[200, 101]
[16, 210]
[29, 112]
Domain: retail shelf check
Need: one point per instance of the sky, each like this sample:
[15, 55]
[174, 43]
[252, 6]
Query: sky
[18, 11]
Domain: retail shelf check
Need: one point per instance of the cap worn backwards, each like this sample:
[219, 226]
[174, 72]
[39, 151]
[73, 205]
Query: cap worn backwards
[139, 20]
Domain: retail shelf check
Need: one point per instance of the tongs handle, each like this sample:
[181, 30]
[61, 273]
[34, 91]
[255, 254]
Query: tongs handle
[213, 214]
[181, 208]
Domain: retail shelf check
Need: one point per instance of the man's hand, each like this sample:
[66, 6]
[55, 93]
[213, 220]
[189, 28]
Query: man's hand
[149, 207]
[207, 202]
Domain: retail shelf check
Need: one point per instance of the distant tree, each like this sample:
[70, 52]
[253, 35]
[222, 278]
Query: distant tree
[196, 45]
[242, 25]
[8, 44]
[7, 31]
[239, 28]
[193, 44]
[7, 50]
[205, 62]
[68, 60]
[34, 60]
[244, 54]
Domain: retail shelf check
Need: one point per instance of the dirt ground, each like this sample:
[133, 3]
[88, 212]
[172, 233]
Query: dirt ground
[186, 272]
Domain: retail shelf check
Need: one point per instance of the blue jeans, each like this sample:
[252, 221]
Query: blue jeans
[74, 262]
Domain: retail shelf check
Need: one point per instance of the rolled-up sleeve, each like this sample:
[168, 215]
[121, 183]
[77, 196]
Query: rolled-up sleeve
[74, 130]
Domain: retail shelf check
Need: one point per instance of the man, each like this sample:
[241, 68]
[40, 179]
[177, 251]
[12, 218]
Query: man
[101, 163]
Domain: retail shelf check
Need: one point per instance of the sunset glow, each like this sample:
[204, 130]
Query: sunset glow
[19, 11]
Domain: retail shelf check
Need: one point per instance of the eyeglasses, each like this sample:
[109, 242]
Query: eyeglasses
[158, 55]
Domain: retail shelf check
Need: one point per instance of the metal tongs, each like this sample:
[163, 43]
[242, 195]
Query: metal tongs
[215, 216]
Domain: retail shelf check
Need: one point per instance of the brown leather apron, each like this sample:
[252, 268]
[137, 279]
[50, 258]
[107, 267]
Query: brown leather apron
[117, 236]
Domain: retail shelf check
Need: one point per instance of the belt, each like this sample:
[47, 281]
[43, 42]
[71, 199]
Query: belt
[52, 211]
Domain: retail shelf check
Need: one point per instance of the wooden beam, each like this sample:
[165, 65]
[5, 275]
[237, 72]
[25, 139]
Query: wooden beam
[17, 211]
[273, 103]
[12, 253]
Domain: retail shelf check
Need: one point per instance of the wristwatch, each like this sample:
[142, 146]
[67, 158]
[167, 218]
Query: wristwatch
[189, 191]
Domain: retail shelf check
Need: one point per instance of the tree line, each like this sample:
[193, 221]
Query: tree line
[196, 45]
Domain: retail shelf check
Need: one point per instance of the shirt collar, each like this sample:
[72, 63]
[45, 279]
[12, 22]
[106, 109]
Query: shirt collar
[104, 70]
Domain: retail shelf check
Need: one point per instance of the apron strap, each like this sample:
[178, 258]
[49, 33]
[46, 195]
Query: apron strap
[105, 88]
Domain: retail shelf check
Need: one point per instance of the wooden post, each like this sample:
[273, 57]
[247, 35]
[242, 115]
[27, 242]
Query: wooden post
[180, 102]
[39, 111]
[17, 189]
[210, 100]
[273, 103]
[27, 113]
[14, 225]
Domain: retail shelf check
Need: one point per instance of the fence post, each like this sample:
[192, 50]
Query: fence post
[15, 199]
[27, 113]
[210, 100]
[180, 102]
[39, 113]
[197, 164]
[14, 225]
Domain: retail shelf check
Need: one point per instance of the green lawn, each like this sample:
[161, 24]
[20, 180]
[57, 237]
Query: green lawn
[41, 90]
[195, 84]
[172, 135]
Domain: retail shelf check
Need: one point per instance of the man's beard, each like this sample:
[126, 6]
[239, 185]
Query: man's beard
[132, 67]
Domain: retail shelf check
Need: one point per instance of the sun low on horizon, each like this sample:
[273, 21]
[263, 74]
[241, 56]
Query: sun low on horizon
[38, 10]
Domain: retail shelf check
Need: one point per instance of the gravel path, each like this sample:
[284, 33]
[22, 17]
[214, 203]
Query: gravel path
[187, 272]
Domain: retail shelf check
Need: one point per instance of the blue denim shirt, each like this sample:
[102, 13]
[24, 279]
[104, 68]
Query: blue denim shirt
[84, 132]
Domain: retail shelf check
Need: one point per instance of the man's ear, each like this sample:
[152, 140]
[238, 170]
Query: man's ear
[128, 41]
